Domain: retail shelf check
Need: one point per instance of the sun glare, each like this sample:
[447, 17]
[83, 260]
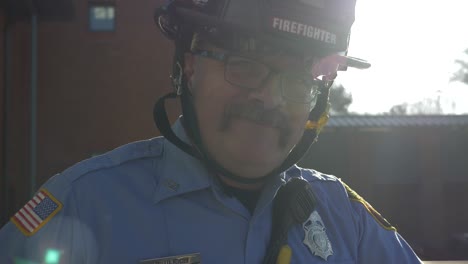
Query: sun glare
[412, 46]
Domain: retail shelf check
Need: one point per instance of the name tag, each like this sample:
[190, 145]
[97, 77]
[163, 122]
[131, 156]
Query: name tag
[194, 258]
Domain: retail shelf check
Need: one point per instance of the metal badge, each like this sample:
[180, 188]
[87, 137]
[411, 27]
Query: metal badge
[194, 258]
[316, 238]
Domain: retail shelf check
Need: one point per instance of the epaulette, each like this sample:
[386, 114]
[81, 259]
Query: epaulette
[354, 196]
[131, 151]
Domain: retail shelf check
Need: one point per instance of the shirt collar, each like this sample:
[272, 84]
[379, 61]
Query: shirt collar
[180, 172]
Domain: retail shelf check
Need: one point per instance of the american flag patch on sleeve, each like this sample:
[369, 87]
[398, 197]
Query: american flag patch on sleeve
[36, 213]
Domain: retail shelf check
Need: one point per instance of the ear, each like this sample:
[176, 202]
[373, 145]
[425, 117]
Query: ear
[189, 65]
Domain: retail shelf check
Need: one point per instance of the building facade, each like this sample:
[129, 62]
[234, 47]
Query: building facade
[79, 78]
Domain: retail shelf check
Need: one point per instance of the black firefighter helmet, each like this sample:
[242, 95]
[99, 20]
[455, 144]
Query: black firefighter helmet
[312, 28]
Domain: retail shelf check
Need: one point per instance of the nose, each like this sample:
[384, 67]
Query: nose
[269, 92]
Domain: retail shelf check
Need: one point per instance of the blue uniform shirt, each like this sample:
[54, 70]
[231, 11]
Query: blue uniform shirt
[149, 200]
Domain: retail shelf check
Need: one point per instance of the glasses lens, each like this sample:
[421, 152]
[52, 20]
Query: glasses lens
[250, 74]
[245, 72]
[298, 88]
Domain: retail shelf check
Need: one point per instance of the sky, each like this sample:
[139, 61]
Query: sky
[412, 46]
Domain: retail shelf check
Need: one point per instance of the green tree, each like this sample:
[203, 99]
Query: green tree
[340, 100]
[426, 106]
[462, 73]
[401, 109]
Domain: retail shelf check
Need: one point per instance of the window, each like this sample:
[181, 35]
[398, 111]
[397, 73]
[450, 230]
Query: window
[101, 18]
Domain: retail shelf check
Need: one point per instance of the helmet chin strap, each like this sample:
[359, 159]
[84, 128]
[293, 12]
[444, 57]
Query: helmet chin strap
[198, 151]
[190, 122]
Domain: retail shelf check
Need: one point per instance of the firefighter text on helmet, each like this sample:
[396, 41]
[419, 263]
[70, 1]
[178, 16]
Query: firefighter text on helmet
[304, 30]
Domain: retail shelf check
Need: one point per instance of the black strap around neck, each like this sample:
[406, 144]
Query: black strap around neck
[162, 123]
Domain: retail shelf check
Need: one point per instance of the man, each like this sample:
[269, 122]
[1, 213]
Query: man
[221, 185]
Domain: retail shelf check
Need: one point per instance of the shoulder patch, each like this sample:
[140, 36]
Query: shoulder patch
[354, 196]
[36, 213]
[125, 153]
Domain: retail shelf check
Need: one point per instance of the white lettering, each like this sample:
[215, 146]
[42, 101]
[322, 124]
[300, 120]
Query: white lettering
[333, 39]
[300, 29]
[322, 35]
[316, 33]
[276, 22]
[286, 25]
[327, 37]
[303, 29]
[310, 32]
[294, 27]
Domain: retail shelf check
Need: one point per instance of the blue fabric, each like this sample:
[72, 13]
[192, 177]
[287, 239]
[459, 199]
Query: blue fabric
[149, 199]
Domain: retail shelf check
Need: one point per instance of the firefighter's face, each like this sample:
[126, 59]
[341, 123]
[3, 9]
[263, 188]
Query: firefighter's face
[248, 131]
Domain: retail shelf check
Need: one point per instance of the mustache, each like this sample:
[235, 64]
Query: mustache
[255, 111]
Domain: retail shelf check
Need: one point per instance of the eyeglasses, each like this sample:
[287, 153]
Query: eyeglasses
[250, 74]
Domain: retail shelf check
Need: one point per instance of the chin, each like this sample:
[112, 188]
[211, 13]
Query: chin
[259, 156]
[253, 136]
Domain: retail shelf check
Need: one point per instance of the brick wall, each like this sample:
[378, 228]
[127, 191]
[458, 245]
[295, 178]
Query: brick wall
[96, 90]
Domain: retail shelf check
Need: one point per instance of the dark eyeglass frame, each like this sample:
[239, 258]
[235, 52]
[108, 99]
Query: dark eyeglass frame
[225, 56]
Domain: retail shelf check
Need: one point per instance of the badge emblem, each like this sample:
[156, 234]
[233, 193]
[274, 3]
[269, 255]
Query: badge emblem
[316, 238]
